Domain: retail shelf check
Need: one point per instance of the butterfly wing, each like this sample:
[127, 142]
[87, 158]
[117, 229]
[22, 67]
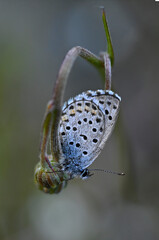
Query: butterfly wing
[86, 123]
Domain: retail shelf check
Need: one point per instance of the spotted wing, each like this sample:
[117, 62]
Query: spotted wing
[86, 123]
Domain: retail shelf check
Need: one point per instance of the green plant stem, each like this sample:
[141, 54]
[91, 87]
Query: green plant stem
[108, 37]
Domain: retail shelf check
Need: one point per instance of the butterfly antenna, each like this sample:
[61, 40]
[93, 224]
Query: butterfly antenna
[107, 171]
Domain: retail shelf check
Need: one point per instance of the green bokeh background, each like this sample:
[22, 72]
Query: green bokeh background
[34, 38]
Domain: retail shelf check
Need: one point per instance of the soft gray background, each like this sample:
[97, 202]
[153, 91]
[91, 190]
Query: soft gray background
[34, 38]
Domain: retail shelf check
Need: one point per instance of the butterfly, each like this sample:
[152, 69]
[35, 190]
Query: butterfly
[86, 123]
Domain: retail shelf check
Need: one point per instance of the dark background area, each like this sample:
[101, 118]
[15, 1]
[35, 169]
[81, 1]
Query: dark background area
[34, 38]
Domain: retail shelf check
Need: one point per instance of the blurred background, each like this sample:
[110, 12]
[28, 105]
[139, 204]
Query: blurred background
[35, 35]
